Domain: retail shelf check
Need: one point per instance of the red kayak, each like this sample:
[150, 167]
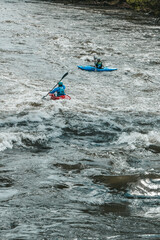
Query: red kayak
[53, 97]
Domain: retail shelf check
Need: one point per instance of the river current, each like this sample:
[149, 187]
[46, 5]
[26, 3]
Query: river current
[89, 167]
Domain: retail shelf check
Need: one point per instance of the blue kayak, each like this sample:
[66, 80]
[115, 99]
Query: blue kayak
[91, 68]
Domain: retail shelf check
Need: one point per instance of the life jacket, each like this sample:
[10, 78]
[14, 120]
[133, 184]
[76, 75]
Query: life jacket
[60, 91]
[99, 64]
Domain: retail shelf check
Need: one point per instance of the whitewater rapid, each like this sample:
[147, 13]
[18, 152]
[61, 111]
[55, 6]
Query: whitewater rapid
[85, 168]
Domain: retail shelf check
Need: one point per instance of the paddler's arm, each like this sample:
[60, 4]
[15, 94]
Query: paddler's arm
[54, 90]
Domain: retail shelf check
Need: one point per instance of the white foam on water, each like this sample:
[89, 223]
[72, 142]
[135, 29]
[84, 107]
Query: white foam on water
[6, 194]
[7, 140]
[152, 213]
[11, 139]
[135, 138]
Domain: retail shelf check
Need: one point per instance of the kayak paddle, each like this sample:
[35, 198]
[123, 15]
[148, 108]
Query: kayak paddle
[56, 84]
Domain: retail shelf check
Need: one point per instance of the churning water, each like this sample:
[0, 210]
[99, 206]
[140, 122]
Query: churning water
[85, 168]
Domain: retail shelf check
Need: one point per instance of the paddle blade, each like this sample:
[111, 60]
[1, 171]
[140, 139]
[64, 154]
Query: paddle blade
[64, 75]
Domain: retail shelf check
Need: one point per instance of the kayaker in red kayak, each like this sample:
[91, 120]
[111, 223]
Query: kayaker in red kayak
[59, 90]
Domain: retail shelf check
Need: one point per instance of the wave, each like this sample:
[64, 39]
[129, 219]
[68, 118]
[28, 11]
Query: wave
[21, 140]
[150, 140]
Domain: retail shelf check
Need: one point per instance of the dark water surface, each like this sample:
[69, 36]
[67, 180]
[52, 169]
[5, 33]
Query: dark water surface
[88, 168]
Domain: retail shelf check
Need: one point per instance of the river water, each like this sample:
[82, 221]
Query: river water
[89, 167]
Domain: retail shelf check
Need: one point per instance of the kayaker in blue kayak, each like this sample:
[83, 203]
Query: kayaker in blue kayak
[59, 90]
[98, 63]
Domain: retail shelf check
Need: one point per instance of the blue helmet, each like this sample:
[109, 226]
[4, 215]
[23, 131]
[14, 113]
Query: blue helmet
[60, 84]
